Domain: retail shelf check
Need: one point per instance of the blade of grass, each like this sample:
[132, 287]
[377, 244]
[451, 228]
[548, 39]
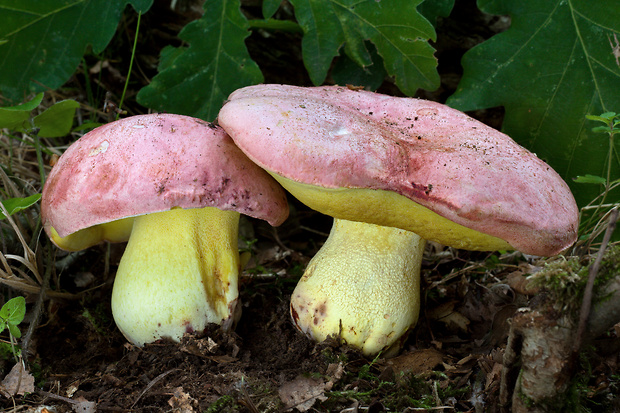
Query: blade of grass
[133, 54]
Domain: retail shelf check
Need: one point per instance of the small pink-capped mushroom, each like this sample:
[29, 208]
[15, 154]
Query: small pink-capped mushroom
[173, 187]
[393, 172]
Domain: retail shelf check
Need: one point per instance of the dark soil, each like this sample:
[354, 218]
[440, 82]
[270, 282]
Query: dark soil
[452, 361]
[78, 354]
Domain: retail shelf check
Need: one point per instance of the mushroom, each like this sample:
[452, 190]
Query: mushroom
[174, 188]
[393, 172]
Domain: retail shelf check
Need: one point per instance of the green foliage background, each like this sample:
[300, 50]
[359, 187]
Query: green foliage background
[557, 63]
[43, 41]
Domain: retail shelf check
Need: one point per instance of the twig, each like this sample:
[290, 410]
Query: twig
[586, 304]
[56, 396]
[39, 152]
[246, 400]
[314, 231]
[511, 358]
[37, 308]
[29, 255]
[151, 384]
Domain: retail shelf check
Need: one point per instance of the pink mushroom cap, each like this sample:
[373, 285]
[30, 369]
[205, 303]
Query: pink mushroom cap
[436, 156]
[152, 163]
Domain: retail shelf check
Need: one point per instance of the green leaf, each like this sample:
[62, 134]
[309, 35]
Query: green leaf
[198, 79]
[86, 126]
[601, 129]
[168, 55]
[433, 9]
[270, 7]
[17, 117]
[14, 330]
[56, 121]
[346, 71]
[606, 118]
[597, 118]
[141, 6]
[14, 205]
[14, 310]
[397, 30]
[26, 106]
[12, 313]
[590, 179]
[551, 68]
[45, 39]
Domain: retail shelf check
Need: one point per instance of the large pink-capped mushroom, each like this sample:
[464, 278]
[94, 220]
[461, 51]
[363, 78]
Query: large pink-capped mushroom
[393, 172]
[173, 187]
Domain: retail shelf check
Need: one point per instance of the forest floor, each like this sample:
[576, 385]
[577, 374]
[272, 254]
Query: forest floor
[452, 361]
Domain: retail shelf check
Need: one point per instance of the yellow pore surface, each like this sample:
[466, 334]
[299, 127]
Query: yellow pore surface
[390, 209]
[115, 231]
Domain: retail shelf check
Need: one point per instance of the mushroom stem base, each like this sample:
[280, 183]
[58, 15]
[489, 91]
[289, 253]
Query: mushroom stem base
[179, 273]
[363, 287]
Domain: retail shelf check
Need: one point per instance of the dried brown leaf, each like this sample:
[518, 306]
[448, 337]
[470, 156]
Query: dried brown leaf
[17, 382]
[181, 402]
[84, 406]
[416, 362]
[446, 314]
[519, 282]
[302, 392]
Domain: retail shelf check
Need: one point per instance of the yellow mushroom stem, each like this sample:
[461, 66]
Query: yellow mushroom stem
[363, 286]
[179, 272]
